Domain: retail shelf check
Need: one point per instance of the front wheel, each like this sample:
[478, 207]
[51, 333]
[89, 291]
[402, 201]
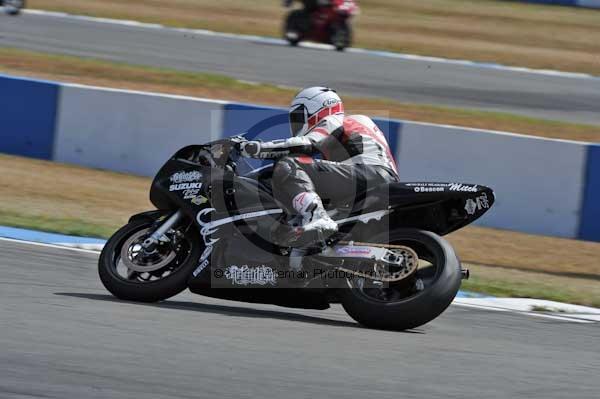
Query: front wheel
[296, 25]
[13, 7]
[341, 36]
[131, 274]
[412, 303]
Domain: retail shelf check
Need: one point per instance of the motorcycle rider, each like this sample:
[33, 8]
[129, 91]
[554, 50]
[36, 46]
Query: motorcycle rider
[355, 154]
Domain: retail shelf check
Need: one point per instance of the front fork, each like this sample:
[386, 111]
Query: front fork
[159, 235]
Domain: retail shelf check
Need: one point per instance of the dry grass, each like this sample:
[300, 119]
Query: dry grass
[486, 30]
[68, 196]
[559, 256]
[103, 73]
[69, 199]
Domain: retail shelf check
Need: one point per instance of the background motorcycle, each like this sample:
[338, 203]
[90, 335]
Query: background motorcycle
[214, 222]
[323, 24]
[12, 7]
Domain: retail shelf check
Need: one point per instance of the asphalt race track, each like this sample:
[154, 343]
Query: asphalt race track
[546, 96]
[63, 336]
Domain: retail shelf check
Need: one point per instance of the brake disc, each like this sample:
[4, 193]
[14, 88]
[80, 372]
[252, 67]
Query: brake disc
[134, 259]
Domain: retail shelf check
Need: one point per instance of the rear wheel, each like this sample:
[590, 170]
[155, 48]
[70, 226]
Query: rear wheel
[131, 274]
[341, 36]
[412, 303]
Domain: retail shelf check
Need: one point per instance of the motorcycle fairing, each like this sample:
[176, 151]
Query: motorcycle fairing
[434, 206]
[414, 204]
[238, 215]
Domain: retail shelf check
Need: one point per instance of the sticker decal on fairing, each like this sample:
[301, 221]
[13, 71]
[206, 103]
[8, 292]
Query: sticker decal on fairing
[478, 203]
[199, 200]
[185, 181]
[208, 228]
[470, 206]
[200, 267]
[206, 232]
[183, 177]
[350, 250]
[190, 193]
[185, 186]
[422, 189]
[428, 187]
[482, 202]
[244, 275]
[463, 188]
[365, 217]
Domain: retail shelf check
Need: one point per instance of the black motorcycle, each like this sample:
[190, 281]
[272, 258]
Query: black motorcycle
[12, 7]
[218, 232]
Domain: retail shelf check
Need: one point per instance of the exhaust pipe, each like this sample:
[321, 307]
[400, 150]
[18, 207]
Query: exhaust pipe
[465, 274]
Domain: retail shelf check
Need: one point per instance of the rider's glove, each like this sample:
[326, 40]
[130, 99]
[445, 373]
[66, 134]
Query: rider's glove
[250, 149]
[276, 148]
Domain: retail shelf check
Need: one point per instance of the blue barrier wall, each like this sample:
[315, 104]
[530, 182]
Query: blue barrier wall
[538, 182]
[589, 228]
[264, 123]
[572, 3]
[128, 131]
[27, 116]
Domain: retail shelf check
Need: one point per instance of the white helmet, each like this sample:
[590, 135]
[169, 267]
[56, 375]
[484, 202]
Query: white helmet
[310, 106]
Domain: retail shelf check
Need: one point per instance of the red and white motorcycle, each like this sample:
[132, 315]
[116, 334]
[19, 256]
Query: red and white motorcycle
[321, 21]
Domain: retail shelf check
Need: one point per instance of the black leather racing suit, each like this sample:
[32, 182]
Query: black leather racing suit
[355, 157]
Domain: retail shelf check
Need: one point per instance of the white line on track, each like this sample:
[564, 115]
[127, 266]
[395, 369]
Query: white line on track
[41, 244]
[270, 40]
[459, 302]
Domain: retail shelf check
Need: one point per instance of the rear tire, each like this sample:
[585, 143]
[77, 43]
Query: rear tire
[420, 308]
[152, 291]
[341, 36]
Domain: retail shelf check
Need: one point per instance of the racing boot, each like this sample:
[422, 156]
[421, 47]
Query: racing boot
[316, 225]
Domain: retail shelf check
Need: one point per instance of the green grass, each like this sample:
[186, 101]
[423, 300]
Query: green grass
[61, 225]
[503, 288]
[532, 285]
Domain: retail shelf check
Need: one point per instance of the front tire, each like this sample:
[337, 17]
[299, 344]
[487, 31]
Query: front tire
[341, 36]
[150, 286]
[415, 309]
[296, 24]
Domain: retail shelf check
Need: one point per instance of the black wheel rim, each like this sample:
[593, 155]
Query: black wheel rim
[429, 271]
[181, 250]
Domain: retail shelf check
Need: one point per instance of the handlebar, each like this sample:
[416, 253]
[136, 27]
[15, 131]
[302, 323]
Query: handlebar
[226, 152]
